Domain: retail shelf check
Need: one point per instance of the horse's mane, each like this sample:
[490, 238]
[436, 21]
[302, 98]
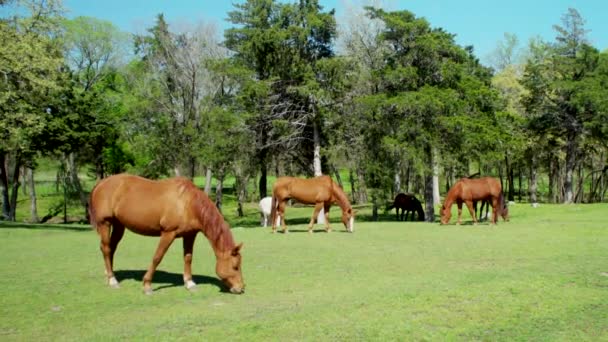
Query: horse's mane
[213, 225]
[341, 198]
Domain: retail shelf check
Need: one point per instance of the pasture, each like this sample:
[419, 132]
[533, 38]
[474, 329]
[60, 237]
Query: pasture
[542, 276]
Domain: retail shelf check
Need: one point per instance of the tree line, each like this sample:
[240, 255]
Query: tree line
[289, 90]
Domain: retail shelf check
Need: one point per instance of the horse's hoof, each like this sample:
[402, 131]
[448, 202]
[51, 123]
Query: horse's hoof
[190, 285]
[148, 292]
[113, 283]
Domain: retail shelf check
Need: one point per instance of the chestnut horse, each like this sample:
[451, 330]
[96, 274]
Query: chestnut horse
[320, 191]
[408, 204]
[170, 208]
[469, 191]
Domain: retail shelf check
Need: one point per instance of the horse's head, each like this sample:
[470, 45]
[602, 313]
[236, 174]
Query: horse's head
[446, 214]
[228, 269]
[505, 212]
[348, 218]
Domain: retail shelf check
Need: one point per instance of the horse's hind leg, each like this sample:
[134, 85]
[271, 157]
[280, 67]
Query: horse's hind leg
[118, 231]
[165, 241]
[103, 229]
[281, 217]
[188, 248]
[459, 205]
[471, 211]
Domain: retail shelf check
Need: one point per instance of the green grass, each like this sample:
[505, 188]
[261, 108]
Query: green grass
[542, 276]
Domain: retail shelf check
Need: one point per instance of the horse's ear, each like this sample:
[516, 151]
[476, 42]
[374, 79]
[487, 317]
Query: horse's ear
[237, 249]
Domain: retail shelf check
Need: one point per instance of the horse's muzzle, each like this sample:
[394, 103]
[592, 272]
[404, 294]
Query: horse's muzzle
[237, 290]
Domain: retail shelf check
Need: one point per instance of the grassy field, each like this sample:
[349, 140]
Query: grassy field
[542, 276]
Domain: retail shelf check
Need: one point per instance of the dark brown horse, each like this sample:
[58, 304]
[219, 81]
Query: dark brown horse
[469, 191]
[171, 208]
[320, 191]
[408, 204]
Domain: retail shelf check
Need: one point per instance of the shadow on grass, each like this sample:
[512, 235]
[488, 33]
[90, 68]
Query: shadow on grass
[44, 226]
[168, 279]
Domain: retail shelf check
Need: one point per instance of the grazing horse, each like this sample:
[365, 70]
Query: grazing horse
[320, 191]
[469, 191]
[408, 204]
[170, 208]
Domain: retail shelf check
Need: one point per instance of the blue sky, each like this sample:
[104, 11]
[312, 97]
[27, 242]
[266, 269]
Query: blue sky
[480, 23]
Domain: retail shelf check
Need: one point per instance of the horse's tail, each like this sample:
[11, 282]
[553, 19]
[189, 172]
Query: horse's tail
[273, 210]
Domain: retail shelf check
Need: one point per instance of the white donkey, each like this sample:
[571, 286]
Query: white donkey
[266, 207]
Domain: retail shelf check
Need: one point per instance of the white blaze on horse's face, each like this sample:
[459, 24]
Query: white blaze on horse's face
[348, 218]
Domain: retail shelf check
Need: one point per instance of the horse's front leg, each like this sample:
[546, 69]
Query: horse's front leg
[326, 213]
[315, 213]
[166, 238]
[188, 248]
[495, 203]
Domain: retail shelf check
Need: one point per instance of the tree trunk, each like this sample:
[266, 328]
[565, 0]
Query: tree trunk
[436, 197]
[6, 207]
[428, 186]
[241, 189]
[316, 162]
[510, 182]
[32, 190]
[362, 187]
[208, 175]
[337, 174]
[374, 205]
[553, 174]
[533, 181]
[219, 190]
[519, 184]
[192, 167]
[73, 172]
[570, 166]
[397, 185]
[580, 189]
[15, 189]
[353, 186]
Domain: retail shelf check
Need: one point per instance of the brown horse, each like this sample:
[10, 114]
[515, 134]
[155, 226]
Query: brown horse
[469, 191]
[171, 208]
[320, 191]
[408, 204]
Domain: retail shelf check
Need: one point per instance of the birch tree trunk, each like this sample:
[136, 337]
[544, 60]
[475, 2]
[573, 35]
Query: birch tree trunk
[533, 182]
[436, 197]
[317, 163]
[570, 166]
[208, 175]
[428, 186]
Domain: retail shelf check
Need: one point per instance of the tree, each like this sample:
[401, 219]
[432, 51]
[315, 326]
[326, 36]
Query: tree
[30, 64]
[431, 91]
[563, 98]
[282, 44]
[178, 64]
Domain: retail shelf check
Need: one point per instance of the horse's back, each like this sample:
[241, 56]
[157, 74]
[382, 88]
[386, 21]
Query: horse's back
[141, 204]
[304, 190]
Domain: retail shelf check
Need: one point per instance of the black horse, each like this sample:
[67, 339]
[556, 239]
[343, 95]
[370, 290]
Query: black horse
[408, 204]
